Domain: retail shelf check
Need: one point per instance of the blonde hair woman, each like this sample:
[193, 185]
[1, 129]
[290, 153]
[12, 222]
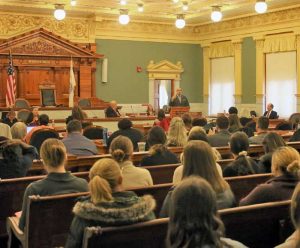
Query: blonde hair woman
[108, 204]
[177, 134]
[285, 167]
[18, 130]
[58, 181]
[121, 150]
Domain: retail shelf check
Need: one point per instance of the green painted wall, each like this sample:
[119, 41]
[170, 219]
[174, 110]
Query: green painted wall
[248, 71]
[127, 86]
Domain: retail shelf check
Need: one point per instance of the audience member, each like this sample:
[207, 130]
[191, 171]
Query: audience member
[77, 114]
[271, 142]
[162, 121]
[19, 131]
[233, 110]
[58, 181]
[194, 221]
[234, 123]
[177, 133]
[242, 164]
[187, 120]
[262, 130]
[108, 203]
[16, 158]
[201, 122]
[270, 113]
[76, 143]
[294, 240]
[295, 136]
[150, 110]
[121, 150]
[198, 160]
[44, 121]
[112, 110]
[244, 121]
[221, 138]
[158, 153]
[285, 167]
[10, 118]
[126, 129]
[248, 131]
[5, 130]
[33, 118]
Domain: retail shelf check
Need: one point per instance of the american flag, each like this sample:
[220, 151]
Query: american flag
[11, 83]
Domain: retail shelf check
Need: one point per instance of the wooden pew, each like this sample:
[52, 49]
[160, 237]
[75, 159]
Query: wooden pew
[162, 173]
[255, 226]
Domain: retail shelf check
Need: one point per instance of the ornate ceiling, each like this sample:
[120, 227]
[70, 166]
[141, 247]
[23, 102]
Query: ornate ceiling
[155, 11]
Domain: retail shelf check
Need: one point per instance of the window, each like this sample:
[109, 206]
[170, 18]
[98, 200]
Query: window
[281, 74]
[222, 85]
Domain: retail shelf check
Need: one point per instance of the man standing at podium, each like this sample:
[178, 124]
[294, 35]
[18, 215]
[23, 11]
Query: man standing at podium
[179, 100]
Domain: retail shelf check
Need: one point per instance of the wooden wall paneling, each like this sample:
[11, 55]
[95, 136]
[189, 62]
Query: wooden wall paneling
[85, 81]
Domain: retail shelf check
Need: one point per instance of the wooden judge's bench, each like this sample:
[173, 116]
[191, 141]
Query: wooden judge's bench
[42, 58]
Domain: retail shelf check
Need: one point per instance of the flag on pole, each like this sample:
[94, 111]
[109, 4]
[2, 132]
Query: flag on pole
[10, 83]
[72, 85]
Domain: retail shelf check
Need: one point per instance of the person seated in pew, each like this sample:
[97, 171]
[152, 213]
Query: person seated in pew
[294, 240]
[76, 143]
[44, 121]
[271, 142]
[187, 120]
[197, 133]
[121, 150]
[77, 114]
[10, 118]
[58, 181]
[261, 129]
[33, 118]
[234, 123]
[112, 110]
[242, 164]
[233, 110]
[162, 120]
[177, 134]
[158, 153]
[194, 221]
[221, 138]
[19, 131]
[108, 204]
[5, 130]
[16, 158]
[285, 167]
[198, 160]
[126, 129]
[295, 136]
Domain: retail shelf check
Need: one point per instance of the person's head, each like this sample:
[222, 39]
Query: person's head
[198, 160]
[178, 91]
[44, 119]
[194, 221]
[285, 160]
[295, 210]
[238, 143]
[197, 133]
[113, 104]
[272, 141]
[74, 126]
[222, 122]
[121, 149]
[18, 130]
[247, 130]
[177, 132]
[105, 176]
[187, 120]
[77, 113]
[35, 112]
[253, 113]
[53, 153]
[156, 135]
[270, 106]
[11, 150]
[124, 124]
[161, 114]
[233, 110]
[262, 123]
[234, 121]
[201, 122]
[11, 115]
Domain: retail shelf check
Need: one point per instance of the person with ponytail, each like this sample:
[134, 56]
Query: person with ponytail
[201, 228]
[121, 150]
[242, 164]
[108, 203]
[158, 153]
[285, 168]
[294, 240]
[58, 181]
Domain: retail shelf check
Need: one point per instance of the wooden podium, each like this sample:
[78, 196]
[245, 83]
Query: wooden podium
[178, 111]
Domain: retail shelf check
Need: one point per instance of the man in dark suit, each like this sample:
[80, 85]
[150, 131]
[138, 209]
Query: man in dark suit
[179, 100]
[270, 113]
[112, 110]
[221, 138]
